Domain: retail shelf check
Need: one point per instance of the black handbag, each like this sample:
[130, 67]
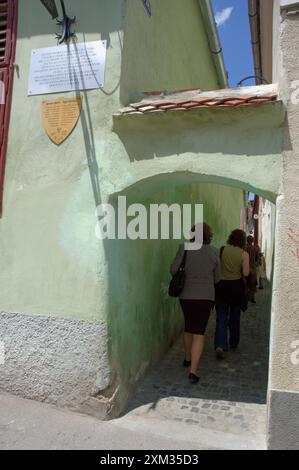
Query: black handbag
[178, 280]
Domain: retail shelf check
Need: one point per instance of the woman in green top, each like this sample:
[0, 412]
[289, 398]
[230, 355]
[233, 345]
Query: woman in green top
[230, 292]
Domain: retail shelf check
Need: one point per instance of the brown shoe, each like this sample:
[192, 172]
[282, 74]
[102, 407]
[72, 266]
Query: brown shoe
[219, 354]
[193, 379]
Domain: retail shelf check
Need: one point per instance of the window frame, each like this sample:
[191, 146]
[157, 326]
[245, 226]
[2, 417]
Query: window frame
[6, 77]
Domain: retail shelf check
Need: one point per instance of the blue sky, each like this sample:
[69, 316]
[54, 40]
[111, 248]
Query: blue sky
[234, 30]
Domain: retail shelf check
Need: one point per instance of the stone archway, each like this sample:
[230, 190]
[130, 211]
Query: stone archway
[139, 326]
[240, 147]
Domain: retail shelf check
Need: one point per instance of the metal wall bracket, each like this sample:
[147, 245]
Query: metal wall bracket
[66, 24]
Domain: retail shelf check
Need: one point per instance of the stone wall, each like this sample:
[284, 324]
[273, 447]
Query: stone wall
[284, 367]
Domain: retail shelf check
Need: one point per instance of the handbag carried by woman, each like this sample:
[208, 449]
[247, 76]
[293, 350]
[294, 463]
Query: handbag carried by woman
[177, 282]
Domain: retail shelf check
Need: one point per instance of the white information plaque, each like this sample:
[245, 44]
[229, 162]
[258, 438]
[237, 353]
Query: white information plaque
[67, 68]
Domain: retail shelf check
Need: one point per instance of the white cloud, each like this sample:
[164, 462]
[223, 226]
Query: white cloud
[223, 16]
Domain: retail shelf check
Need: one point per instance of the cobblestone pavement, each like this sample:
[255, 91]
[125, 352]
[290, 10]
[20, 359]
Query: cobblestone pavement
[231, 394]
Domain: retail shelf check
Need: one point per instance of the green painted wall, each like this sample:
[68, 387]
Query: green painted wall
[238, 147]
[47, 230]
[169, 51]
[52, 264]
[51, 261]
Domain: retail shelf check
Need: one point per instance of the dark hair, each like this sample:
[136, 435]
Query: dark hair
[250, 239]
[207, 234]
[237, 238]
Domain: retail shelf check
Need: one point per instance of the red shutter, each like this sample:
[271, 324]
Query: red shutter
[8, 28]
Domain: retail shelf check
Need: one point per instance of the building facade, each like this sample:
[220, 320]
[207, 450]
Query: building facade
[69, 303]
[82, 318]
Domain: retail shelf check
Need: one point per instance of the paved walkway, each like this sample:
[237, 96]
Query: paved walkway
[231, 394]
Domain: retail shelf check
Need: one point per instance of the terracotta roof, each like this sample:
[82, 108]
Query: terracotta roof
[184, 100]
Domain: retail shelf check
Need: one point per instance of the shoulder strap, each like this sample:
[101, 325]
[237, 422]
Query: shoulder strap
[183, 263]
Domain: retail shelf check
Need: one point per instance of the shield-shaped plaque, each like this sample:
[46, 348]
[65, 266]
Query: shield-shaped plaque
[60, 117]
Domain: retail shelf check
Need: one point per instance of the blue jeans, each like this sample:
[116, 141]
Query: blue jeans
[228, 318]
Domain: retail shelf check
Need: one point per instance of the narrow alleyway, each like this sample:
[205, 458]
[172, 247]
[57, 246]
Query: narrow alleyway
[231, 394]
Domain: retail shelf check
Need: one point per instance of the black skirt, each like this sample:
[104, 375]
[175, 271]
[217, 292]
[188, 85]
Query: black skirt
[196, 314]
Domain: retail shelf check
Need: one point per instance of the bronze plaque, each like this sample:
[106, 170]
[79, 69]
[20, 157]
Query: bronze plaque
[60, 117]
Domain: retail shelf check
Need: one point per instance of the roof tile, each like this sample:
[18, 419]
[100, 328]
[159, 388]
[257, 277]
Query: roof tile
[166, 107]
[157, 102]
[178, 109]
[234, 103]
[145, 109]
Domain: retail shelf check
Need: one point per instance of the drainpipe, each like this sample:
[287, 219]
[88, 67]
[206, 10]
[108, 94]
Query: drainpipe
[214, 41]
[255, 27]
[254, 19]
